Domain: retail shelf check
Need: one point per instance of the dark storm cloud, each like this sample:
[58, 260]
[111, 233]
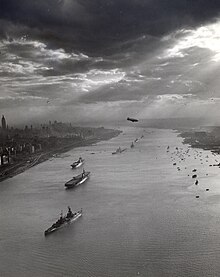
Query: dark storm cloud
[98, 59]
[98, 25]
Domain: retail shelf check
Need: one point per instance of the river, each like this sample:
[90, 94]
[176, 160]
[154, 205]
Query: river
[140, 217]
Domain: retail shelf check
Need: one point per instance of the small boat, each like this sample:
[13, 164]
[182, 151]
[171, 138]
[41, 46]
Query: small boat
[132, 145]
[77, 180]
[118, 151]
[63, 221]
[77, 163]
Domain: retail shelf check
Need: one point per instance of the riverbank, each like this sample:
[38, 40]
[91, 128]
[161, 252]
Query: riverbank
[207, 138]
[29, 161]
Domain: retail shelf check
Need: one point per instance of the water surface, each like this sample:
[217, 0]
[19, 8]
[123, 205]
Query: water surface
[141, 216]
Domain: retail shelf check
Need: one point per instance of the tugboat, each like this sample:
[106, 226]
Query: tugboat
[77, 180]
[77, 163]
[63, 221]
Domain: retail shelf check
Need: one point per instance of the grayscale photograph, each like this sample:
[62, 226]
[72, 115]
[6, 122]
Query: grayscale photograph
[109, 138]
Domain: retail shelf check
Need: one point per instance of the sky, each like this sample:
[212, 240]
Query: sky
[100, 61]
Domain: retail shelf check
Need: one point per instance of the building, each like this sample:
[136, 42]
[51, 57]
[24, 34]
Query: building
[4, 126]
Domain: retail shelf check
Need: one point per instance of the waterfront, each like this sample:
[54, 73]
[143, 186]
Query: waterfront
[141, 217]
[20, 151]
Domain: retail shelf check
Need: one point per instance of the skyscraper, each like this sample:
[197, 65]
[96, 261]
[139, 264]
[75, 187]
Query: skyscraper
[3, 123]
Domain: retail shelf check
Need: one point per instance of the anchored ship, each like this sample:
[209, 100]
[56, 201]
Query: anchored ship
[77, 180]
[77, 163]
[63, 221]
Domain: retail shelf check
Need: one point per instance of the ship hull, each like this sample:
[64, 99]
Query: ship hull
[67, 222]
[76, 182]
[76, 165]
[119, 152]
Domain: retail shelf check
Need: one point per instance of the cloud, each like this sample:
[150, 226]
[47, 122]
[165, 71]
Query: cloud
[205, 37]
[102, 60]
[30, 68]
[95, 26]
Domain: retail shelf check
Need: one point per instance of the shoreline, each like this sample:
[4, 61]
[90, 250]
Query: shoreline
[44, 156]
[203, 138]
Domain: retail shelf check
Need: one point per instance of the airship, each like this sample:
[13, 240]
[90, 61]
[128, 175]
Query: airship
[132, 119]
